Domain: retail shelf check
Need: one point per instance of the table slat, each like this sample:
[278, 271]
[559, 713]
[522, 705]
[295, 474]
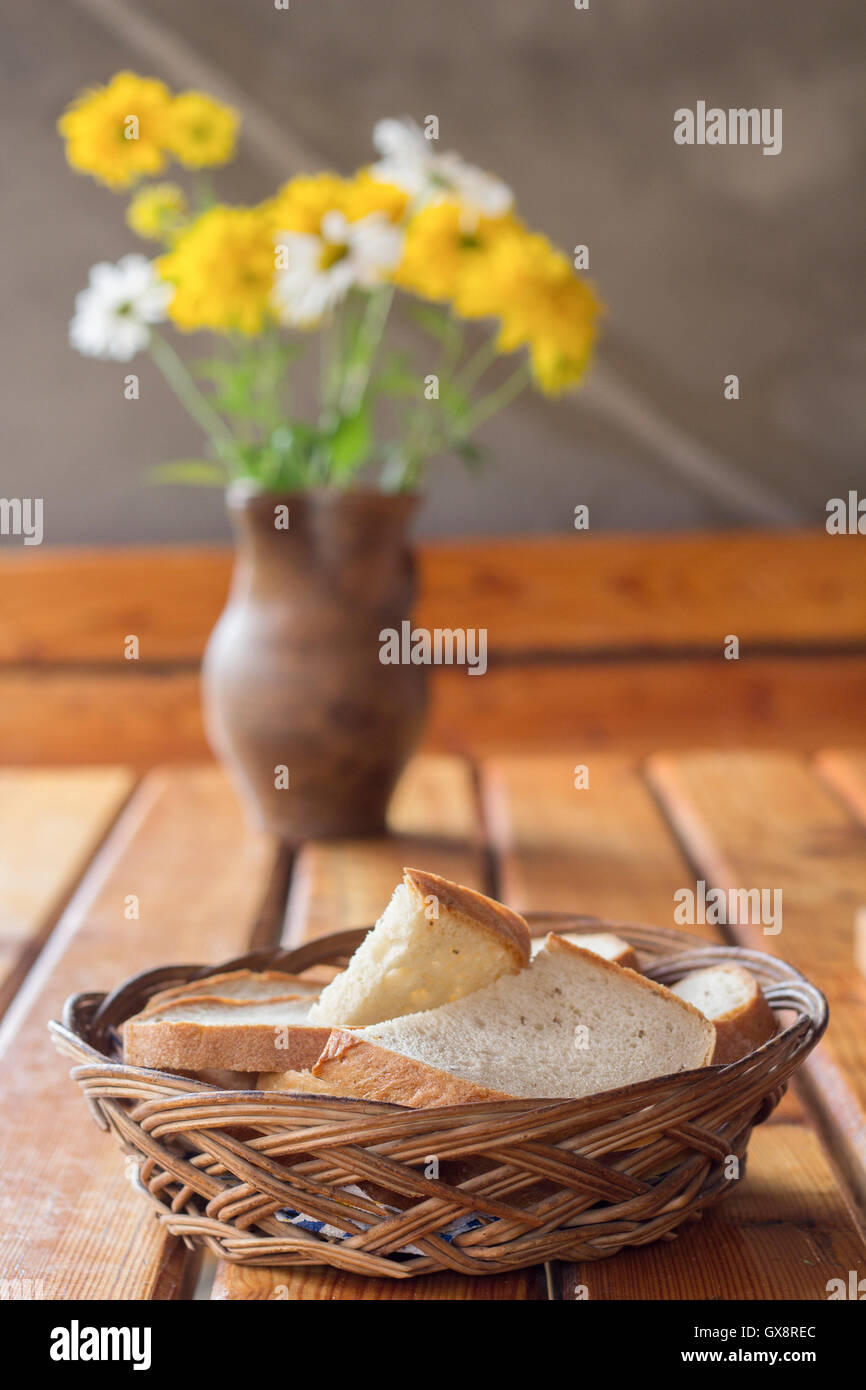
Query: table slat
[608, 851]
[767, 821]
[51, 821]
[347, 884]
[845, 772]
[782, 1233]
[68, 1216]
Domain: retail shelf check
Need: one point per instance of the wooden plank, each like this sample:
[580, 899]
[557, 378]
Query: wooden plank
[640, 706]
[782, 1233]
[602, 850]
[51, 822]
[321, 1284]
[845, 772]
[608, 851]
[347, 884]
[138, 717]
[554, 593]
[766, 821]
[68, 1216]
[143, 717]
[434, 824]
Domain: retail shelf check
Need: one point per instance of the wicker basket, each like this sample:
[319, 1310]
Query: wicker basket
[280, 1179]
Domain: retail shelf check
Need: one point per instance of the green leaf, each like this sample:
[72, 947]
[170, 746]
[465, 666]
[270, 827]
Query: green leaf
[198, 472]
[350, 442]
[471, 454]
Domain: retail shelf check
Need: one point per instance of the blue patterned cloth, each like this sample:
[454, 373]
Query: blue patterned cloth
[458, 1227]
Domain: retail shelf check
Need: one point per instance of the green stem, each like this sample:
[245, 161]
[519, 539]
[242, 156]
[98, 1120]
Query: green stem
[370, 332]
[477, 364]
[500, 397]
[182, 384]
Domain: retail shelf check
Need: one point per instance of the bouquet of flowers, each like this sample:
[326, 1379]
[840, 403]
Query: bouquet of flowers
[325, 255]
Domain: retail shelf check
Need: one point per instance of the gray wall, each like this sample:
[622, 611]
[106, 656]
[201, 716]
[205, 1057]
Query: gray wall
[711, 260]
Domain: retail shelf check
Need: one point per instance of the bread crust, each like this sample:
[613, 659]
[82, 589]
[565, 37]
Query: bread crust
[302, 1082]
[740, 1030]
[352, 1066]
[181, 1045]
[476, 910]
[626, 955]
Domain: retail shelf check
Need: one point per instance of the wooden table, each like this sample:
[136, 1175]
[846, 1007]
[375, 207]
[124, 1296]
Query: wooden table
[103, 874]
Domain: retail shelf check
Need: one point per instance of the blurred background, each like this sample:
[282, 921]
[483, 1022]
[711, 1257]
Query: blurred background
[710, 260]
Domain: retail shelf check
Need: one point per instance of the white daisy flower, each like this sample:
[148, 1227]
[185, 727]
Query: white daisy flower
[321, 269]
[112, 315]
[410, 161]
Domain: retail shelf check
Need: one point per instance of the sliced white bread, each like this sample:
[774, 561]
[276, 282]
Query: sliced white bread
[573, 1024]
[602, 943]
[731, 998]
[253, 985]
[303, 1081]
[201, 1033]
[435, 943]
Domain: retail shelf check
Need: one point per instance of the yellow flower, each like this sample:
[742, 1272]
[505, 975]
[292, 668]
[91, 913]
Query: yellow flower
[440, 249]
[364, 194]
[300, 204]
[157, 211]
[223, 269]
[531, 288]
[201, 132]
[117, 133]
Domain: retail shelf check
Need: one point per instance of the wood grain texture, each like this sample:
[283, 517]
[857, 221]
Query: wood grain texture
[609, 851]
[321, 1284]
[556, 593]
[51, 822]
[639, 706]
[347, 884]
[68, 1216]
[783, 1232]
[603, 849]
[145, 717]
[767, 821]
[845, 771]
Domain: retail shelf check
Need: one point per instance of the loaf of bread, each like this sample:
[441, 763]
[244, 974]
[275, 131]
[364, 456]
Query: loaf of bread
[436, 942]
[732, 1000]
[602, 943]
[571, 1025]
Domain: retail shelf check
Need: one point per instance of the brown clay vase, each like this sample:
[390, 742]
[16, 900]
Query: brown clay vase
[293, 687]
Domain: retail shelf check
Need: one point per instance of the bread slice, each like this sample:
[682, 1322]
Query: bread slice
[202, 1032]
[602, 943]
[731, 998]
[435, 942]
[572, 1024]
[236, 984]
[300, 1081]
